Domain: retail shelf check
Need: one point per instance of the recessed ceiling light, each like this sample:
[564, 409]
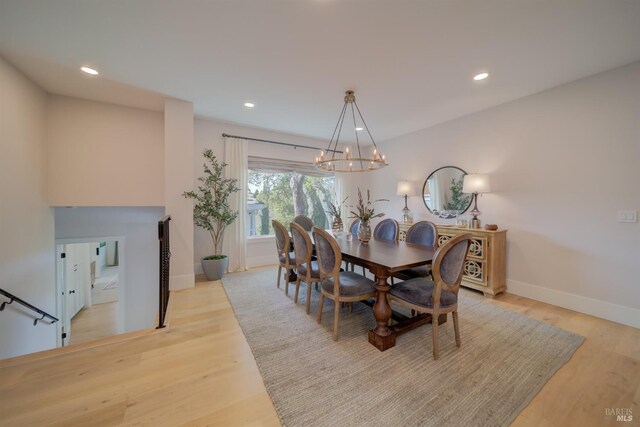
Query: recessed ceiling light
[359, 129]
[249, 104]
[481, 76]
[89, 71]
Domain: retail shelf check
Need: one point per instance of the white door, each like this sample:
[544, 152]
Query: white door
[63, 273]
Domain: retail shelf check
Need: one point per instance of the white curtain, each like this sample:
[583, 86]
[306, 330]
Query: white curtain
[235, 155]
[340, 187]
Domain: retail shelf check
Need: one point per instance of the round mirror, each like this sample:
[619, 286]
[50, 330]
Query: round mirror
[442, 192]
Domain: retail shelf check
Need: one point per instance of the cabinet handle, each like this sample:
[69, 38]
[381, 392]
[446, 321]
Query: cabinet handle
[72, 292]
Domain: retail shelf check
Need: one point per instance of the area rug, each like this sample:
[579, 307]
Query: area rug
[504, 361]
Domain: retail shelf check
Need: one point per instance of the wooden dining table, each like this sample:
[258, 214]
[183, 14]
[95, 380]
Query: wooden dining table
[383, 258]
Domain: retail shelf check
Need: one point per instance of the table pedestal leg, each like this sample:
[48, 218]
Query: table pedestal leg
[382, 337]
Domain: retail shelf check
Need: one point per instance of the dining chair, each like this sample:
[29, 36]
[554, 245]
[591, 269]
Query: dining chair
[440, 295]
[339, 286]
[304, 221]
[286, 258]
[307, 269]
[387, 229]
[353, 229]
[423, 233]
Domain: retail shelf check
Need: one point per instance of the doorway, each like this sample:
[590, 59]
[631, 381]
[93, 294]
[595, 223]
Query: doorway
[90, 284]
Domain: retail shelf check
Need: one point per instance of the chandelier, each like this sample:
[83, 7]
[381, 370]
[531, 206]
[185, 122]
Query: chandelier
[350, 161]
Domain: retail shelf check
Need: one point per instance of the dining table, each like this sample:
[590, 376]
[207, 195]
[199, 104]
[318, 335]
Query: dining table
[383, 258]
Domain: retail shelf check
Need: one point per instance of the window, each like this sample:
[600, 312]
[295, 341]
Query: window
[285, 191]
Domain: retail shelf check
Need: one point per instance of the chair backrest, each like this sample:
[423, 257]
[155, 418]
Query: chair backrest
[423, 233]
[302, 245]
[354, 227]
[448, 265]
[387, 229]
[328, 253]
[283, 243]
[304, 221]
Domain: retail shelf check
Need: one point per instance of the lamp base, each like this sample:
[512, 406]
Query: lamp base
[475, 223]
[407, 216]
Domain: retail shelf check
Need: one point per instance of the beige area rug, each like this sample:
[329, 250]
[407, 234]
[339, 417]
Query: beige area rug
[504, 361]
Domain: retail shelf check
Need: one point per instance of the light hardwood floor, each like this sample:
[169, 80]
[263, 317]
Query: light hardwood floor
[98, 321]
[200, 371]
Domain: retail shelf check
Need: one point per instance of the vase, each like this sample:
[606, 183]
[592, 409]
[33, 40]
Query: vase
[214, 268]
[364, 232]
[337, 227]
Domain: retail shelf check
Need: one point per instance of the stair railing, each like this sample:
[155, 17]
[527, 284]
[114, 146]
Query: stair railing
[165, 257]
[13, 298]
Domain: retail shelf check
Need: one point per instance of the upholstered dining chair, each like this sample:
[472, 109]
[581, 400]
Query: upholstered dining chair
[387, 229]
[354, 227]
[307, 269]
[304, 221]
[339, 286]
[423, 233]
[286, 258]
[440, 295]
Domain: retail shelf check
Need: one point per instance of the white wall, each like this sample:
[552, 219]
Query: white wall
[139, 227]
[27, 254]
[103, 154]
[178, 149]
[208, 134]
[562, 163]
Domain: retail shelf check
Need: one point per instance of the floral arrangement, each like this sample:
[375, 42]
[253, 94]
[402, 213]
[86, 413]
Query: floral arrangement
[335, 209]
[365, 212]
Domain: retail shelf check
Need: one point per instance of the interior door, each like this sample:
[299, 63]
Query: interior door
[62, 272]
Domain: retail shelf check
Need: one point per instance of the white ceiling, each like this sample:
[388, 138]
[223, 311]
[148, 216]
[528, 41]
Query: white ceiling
[410, 62]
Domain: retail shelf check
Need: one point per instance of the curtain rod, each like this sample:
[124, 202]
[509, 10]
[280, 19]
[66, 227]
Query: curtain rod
[279, 143]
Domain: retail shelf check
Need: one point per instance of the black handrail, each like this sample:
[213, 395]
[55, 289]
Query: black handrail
[13, 298]
[165, 256]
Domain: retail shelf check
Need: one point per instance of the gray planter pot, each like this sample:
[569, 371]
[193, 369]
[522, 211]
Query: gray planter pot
[214, 268]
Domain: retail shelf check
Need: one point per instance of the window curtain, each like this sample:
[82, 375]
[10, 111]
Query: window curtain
[235, 155]
[340, 188]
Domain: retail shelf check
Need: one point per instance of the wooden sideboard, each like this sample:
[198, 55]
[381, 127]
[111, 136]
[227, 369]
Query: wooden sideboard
[485, 267]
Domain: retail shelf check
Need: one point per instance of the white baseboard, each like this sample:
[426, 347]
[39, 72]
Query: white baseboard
[605, 310]
[260, 261]
[182, 282]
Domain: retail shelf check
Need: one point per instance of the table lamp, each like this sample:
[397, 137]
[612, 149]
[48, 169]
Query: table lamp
[406, 188]
[473, 184]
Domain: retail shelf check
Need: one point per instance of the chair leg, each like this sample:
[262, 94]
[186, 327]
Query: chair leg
[279, 273]
[295, 297]
[336, 319]
[350, 307]
[320, 307]
[391, 280]
[364, 273]
[309, 285]
[286, 282]
[456, 327]
[434, 331]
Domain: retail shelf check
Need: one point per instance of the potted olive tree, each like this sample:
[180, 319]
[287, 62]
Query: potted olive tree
[212, 212]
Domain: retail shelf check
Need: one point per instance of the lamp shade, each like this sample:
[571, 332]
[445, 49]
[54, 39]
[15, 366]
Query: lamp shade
[476, 183]
[406, 188]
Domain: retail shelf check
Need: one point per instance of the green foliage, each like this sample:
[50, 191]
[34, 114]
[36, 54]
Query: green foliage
[211, 209]
[364, 211]
[459, 200]
[275, 191]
